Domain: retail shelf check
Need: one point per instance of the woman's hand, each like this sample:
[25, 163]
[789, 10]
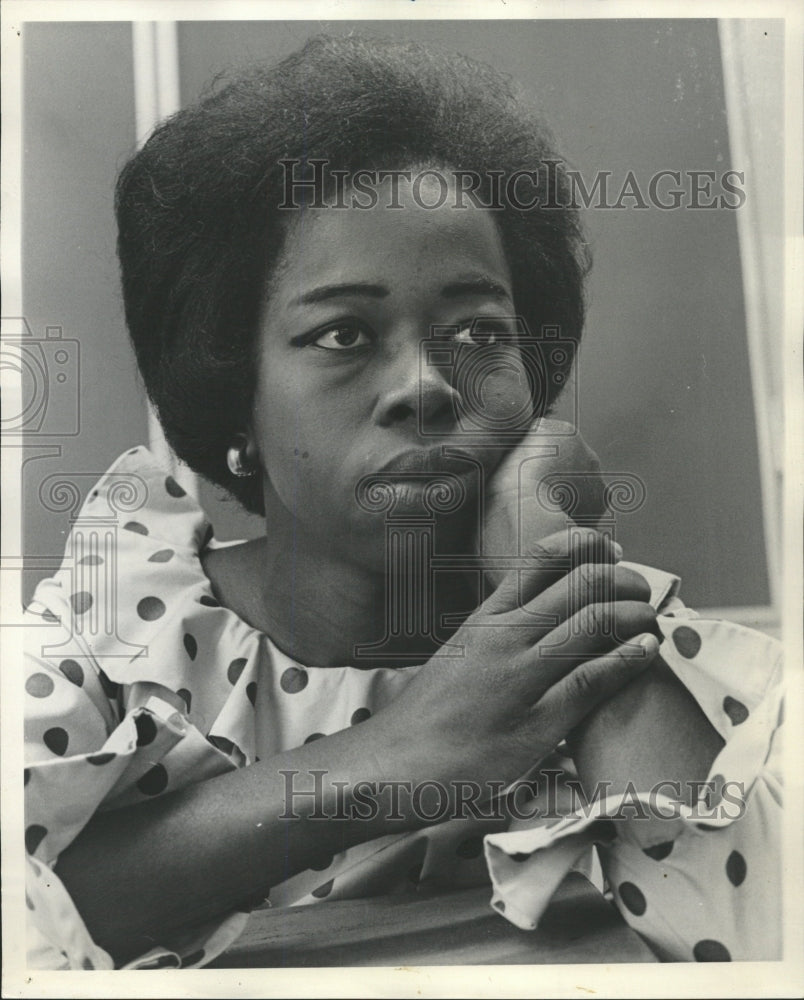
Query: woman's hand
[517, 512]
[548, 646]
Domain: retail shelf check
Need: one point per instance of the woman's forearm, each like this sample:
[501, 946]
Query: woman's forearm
[141, 871]
[650, 731]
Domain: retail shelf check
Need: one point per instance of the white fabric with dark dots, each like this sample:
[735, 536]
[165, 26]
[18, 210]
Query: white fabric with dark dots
[179, 689]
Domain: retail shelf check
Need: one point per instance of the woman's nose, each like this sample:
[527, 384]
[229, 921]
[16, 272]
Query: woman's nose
[417, 393]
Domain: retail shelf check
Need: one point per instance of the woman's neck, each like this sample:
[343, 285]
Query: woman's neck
[324, 611]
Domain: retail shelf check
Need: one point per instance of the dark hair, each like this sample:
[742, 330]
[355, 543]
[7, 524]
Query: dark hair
[200, 230]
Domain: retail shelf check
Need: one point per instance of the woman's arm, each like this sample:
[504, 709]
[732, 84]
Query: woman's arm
[139, 872]
[650, 731]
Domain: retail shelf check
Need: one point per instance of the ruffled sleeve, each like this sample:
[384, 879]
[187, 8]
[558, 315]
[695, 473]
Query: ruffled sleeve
[139, 682]
[708, 889]
[107, 719]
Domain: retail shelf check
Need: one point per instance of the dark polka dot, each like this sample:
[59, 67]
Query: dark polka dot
[711, 951]
[150, 608]
[707, 827]
[360, 715]
[154, 781]
[687, 641]
[736, 868]
[26, 775]
[194, 959]
[519, 857]
[735, 710]
[28, 902]
[251, 692]
[190, 645]
[500, 905]
[110, 688]
[632, 898]
[313, 737]
[323, 864]
[162, 556]
[48, 616]
[173, 488]
[604, 830]
[39, 685]
[136, 527]
[236, 669]
[324, 890]
[659, 851]
[56, 740]
[133, 451]
[146, 730]
[472, 847]
[87, 963]
[163, 962]
[293, 680]
[186, 697]
[34, 835]
[73, 672]
[81, 602]
[91, 561]
[221, 743]
[98, 759]
[208, 602]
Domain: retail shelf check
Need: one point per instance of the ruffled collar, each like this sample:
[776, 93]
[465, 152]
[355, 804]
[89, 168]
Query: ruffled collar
[133, 586]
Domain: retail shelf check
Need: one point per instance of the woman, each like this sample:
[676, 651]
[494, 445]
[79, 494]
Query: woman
[335, 287]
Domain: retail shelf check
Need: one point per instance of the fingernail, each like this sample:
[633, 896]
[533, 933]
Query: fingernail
[647, 640]
[617, 549]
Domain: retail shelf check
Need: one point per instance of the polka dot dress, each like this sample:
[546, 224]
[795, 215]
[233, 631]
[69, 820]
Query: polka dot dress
[179, 689]
[709, 892]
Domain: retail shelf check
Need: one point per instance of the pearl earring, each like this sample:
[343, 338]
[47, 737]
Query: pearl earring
[238, 461]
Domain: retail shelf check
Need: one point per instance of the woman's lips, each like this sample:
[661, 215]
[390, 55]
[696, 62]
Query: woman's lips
[428, 462]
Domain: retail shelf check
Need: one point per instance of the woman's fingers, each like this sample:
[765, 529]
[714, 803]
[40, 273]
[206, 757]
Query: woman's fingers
[592, 632]
[547, 561]
[582, 689]
[591, 583]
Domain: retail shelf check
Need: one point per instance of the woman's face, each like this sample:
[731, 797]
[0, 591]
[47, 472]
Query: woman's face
[345, 388]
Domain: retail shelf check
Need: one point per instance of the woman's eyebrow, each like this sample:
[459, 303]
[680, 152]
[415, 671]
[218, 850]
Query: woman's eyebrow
[325, 292]
[481, 285]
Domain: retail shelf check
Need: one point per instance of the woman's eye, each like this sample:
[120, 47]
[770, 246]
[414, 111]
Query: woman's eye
[341, 338]
[479, 333]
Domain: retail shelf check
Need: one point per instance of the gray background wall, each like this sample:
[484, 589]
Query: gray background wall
[664, 384]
